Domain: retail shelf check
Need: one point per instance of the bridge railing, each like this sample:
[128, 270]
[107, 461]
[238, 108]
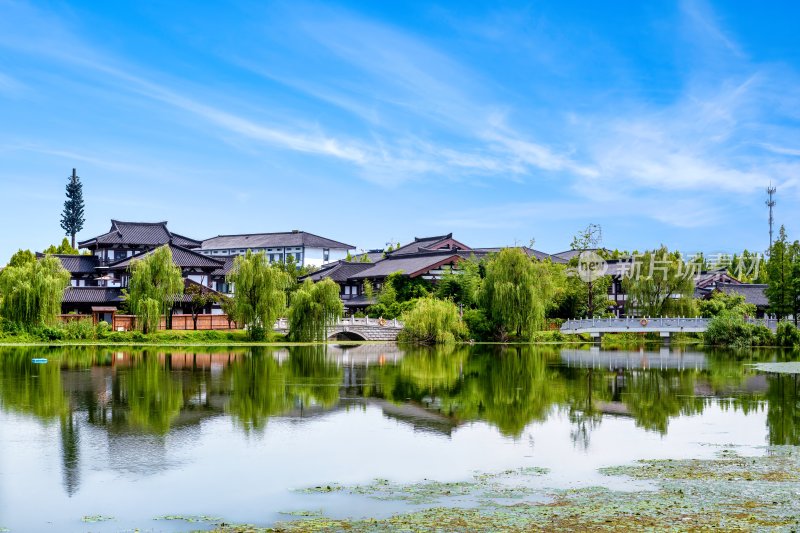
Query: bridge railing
[634, 323]
[655, 324]
[283, 323]
[366, 321]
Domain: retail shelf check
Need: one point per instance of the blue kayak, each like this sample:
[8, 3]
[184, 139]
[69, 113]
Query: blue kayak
[39, 360]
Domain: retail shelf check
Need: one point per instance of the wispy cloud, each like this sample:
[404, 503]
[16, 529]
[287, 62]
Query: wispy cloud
[10, 86]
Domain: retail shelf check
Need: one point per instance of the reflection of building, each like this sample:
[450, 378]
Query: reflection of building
[633, 359]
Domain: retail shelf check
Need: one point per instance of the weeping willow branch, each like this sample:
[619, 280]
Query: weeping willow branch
[516, 292]
[154, 285]
[31, 291]
[433, 321]
[315, 307]
[259, 292]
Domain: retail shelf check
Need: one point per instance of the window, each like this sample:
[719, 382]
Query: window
[120, 254]
[326, 254]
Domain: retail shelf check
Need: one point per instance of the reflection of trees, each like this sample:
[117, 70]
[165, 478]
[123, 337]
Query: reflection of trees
[511, 388]
[261, 387]
[313, 378]
[783, 409]
[507, 387]
[653, 397]
[30, 388]
[153, 396]
[70, 452]
[585, 389]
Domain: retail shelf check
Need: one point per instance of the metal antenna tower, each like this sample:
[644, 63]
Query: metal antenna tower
[770, 203]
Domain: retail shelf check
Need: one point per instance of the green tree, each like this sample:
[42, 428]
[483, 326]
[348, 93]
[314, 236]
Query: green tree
[586, 241]
[72, 217]
[21, 257]
[63, 249]
[461, 285]
[432, 321]
[155, 283]
[396, 295]
[259, 293]
[781, 289]
[228, 306]
[660, 283]
[31, 291]
[314, 307]
[200, 297]
[720, 302]
[516, 292]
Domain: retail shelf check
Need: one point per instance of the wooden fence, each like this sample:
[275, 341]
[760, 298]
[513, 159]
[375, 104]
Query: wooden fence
[179, 322]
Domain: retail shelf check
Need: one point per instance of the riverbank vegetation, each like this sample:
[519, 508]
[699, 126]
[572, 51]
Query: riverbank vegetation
[511, 295]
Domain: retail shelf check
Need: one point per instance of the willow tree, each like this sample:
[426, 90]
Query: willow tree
[259, 293]
[31, 291]
[433, 321]
[314, 308]
[516, 292]
[155, 284]
[660, 283]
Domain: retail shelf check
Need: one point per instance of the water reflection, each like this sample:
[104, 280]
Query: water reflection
[146, 395]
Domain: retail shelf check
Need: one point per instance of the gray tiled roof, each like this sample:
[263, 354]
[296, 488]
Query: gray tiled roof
[423, 244]
[340, 271]
[182, 257]
[754, 293]
[227, 266]
[409, 264]
[139, 234]
[92, 295]
[288, 239]
[78, 264]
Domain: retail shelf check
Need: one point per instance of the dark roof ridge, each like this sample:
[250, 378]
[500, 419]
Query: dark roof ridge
[290, 232]
[434, 238]
[114, 222]
[423, 252]
[170, 244]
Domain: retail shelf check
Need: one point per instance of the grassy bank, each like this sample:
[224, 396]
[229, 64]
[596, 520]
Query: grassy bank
[53, 336]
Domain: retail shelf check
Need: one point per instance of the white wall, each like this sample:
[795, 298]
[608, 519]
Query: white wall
[315, 257]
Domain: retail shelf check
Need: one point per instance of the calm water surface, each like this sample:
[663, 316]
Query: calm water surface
[137, 434]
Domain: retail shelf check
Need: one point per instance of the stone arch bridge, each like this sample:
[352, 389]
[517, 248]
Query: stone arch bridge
[356, 329]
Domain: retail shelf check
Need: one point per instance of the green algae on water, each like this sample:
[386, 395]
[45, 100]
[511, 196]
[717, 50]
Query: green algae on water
[90, 519]
[779, 368]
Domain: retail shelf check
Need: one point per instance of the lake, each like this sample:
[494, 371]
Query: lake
[111, 439]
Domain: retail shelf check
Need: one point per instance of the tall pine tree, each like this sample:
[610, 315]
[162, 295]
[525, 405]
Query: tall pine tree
[72, 217]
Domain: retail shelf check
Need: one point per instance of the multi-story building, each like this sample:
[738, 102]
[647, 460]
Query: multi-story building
[303, 248]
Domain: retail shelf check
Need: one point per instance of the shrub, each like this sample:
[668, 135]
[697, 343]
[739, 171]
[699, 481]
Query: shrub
[787, 335]
[78, 330]
[102, 330]
[730, 329]
[433, 321]
[480, 328]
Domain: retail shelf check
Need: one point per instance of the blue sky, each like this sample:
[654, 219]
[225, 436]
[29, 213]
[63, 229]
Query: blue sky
[376, 122]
